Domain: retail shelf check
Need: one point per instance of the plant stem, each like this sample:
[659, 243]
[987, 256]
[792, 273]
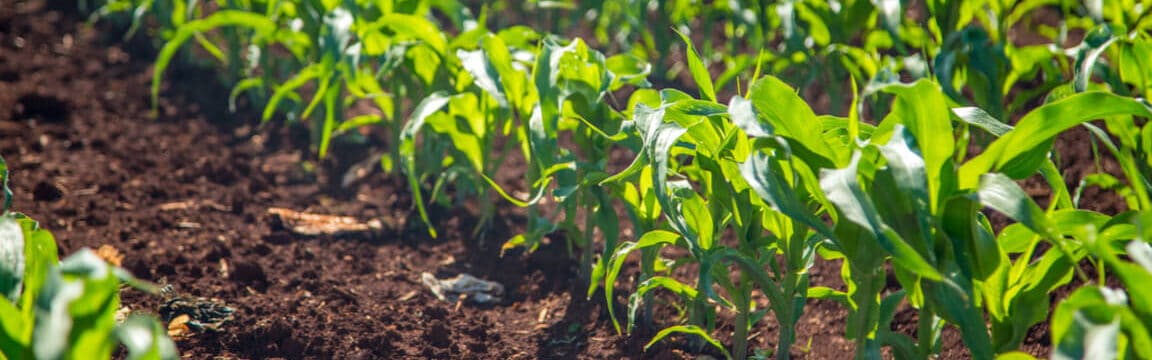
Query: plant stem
[742, 301]
[786, 318]
[589, 237]
[926, 330]
[866, 301]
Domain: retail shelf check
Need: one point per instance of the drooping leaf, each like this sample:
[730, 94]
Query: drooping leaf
[651, 239]
[263, 27]
[1038, 128]
[688, 330]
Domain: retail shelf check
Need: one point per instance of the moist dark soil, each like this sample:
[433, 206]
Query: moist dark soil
[185, 196]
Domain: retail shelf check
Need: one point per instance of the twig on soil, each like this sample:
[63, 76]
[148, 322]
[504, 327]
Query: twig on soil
[191, 204]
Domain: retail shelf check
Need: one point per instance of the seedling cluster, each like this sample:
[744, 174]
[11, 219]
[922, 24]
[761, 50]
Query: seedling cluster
[736, 169]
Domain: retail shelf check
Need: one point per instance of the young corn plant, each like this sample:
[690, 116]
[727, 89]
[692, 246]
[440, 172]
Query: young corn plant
[732, 194]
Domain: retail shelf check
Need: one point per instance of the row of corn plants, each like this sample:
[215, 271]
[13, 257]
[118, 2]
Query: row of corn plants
[758, 188]
[65, 309]
[901, 193]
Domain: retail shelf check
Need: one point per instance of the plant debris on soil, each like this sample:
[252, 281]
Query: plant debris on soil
[190, 200]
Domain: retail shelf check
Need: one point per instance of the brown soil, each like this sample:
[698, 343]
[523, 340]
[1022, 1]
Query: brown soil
[94, 168]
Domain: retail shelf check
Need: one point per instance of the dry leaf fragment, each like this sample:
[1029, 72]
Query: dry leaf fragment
[110, 255]
[316, 224]
[178, 328]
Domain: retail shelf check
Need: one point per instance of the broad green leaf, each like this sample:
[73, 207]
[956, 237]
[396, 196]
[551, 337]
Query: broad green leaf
[699, 70]
[923, 110]
[900, 191]
[853, 204]
[484, 73]
[688, 330]
[1039, 127]
[628, 69]
[92, 314]
[410, 27]
[744, 116]
[39, 258]
[74, 311]
[980, 118]
[1136, 64]
[792, 118]
[1000, 193]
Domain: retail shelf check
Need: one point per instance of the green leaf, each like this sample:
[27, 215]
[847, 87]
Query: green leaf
[145, 339]
[1086, 326]
[40, 258]
[407, 26]
[486, 76]
[288, 88]
[699, 70]
[1038, 128]
[13, 343]
[11, 258]
[979, 118]
[650, 239]
[765, 176]
[923, 109]
[1000, 193]
[263, 27]
[74, 313]
[792, 118]
[686, 293]
[5, 192]
[407, 149]
[844, 191]
[901, 193]
[1095, 42]
[827, 293]
[688, 330]
[976, 251]
[240, 88]
[1136, 64]
[628, 69]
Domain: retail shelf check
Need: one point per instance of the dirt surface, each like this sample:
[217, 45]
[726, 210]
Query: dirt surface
[186, 198]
